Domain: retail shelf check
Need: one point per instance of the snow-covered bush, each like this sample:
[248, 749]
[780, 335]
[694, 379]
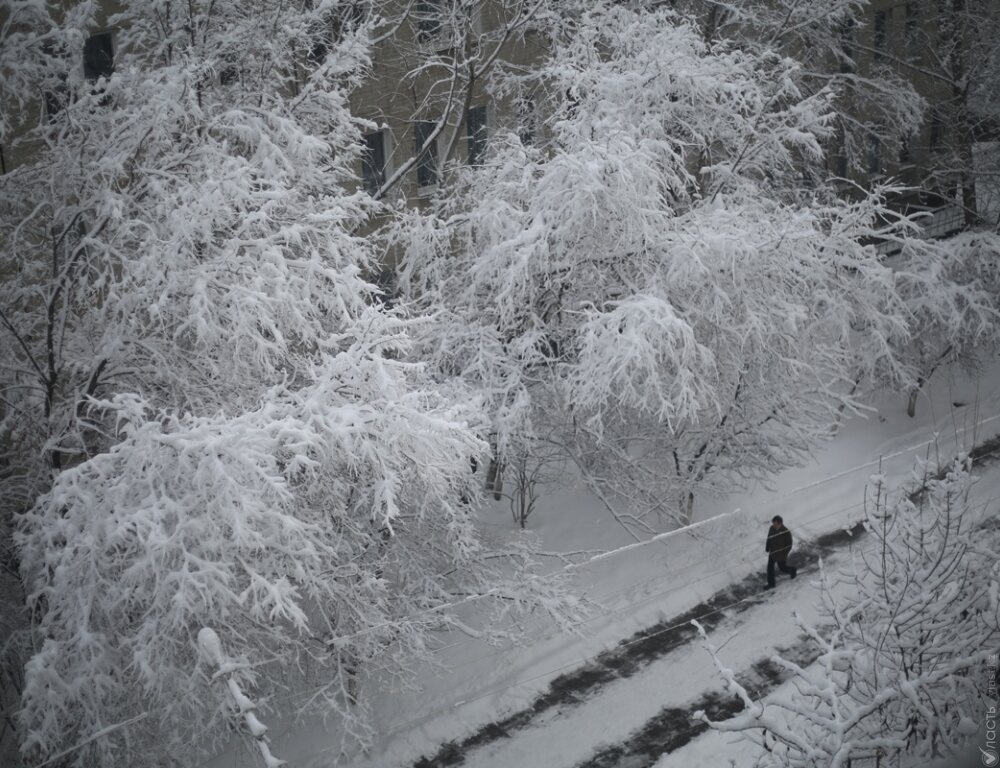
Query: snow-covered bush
[900, 671]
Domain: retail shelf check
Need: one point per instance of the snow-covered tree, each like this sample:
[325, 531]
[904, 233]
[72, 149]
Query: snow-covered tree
[208, 419]
[902, 649]
[22, 63]
[951, 47]
[878, 62]
[26, 32]
[439, 57]
[654, 280]
[873, 106]
[954, 310]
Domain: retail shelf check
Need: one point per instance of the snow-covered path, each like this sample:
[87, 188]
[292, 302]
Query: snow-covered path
[634, 700]
[488, 696]
[613, 713]
[642, 718]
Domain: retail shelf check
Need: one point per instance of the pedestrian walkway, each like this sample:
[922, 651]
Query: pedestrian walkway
[632, 704]
[581, 701]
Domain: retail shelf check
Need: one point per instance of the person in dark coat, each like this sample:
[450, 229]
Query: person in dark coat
[779, 544]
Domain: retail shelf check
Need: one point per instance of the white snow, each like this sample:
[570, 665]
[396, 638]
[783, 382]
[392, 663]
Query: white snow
[478, 684]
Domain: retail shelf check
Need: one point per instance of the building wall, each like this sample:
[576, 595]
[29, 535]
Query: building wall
[422, 75]
[415, 67]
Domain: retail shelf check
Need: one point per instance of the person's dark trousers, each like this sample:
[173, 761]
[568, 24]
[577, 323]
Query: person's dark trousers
[782, 566]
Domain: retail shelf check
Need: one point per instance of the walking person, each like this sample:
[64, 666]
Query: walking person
[779, 544]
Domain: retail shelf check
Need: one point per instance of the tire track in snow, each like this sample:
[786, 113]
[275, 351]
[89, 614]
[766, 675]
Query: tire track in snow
[673, 727]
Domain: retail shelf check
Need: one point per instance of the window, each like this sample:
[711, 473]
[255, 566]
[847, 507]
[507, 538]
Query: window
[229, 74]
[428, 14]
[879, 35]
[318, 51]
[427, 153]
[912, 20]
[388, 286]
[347, 19]
[934, 140]
[98, 57]
[373, 163]
[475, 123]
[846, 46]
[57, 95]
[337, 25]
[904, 150]
[55, 101]
[945, 25]
[527, 121]
[874, 155]
[842, 164]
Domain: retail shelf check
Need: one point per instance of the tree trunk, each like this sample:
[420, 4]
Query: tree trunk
[963, 127]
[687, 508]
[494, 478]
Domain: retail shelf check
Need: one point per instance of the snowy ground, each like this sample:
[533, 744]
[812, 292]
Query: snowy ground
[642, 587]
[715, 748]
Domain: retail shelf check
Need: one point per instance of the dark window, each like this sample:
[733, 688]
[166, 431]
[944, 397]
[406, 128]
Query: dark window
[57, 94]
[373, 161]
[945, 23]
[319, 42]
[345, 20]
[55, 101]
[388, 287]
[526, 121]
[229, 74]
[475, 123]
[318, 51]
[904, 150]
[878, 40]
[428, 15]
[912, 20]
[913, 32]
[934, 140]
[847, 46]
[427, 163]
[98, 57]
[874, 155]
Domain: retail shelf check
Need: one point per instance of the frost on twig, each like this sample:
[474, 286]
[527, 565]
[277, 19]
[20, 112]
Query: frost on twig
[210, 417]
[210, 647]
[644, 287]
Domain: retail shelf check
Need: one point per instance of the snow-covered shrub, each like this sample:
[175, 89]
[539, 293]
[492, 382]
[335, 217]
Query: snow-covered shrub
[900, 672]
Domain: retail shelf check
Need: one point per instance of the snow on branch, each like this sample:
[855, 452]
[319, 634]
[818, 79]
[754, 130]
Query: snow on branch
[901, 650]
[653, 282]
[210, 647]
